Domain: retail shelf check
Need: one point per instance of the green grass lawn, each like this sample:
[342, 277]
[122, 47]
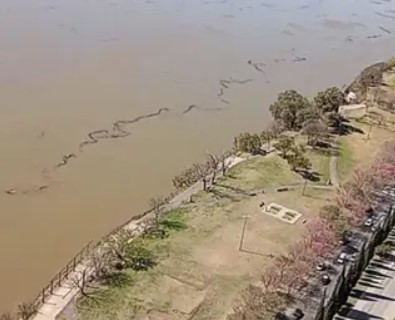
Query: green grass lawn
[320, 164]
[199, 252]
[261, 172]
[345, 162]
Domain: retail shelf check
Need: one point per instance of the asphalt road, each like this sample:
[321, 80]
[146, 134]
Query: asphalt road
[374, 296]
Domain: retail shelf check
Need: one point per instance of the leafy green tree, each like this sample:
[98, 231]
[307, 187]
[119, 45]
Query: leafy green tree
[383, 250]
[289, 109]
[298, 161]
[329, 100]
[247, 142]
[309, 114]
[332, 119]
[284, 145]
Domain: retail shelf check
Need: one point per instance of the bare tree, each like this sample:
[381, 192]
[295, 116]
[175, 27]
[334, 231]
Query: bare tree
[7, 316]
[224, 165]
[80, 281]
[185, 179]
[213, 162]
[100, 262]
[26, 310]
[118, 246]
[202, 170]
[257, 304]
[270, 280]
[156, 204]
[315, 131]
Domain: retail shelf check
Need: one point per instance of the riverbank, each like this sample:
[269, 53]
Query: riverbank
[226, 242]
[71, 75]
[246, 179]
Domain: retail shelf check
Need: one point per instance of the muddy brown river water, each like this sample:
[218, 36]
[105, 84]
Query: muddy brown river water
[71, 67]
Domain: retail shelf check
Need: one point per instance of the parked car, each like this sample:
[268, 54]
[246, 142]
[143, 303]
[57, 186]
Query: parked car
[342, 258]
[325, 279]
[320, 266]
[368, 222]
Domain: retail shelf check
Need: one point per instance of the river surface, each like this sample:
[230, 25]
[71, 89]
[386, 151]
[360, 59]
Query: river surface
[71, 67]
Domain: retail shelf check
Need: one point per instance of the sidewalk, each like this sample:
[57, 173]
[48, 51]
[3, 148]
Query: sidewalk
[374, 295]
[64, 294]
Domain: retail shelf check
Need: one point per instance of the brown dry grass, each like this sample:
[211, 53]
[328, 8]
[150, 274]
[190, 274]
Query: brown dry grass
[202, 271]
[357, 150]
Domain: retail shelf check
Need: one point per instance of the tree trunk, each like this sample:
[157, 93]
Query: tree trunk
[223, 167]
[204, 184]
[213, 177]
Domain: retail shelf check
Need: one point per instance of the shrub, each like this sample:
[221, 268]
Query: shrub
[391, 62]
[383, 250]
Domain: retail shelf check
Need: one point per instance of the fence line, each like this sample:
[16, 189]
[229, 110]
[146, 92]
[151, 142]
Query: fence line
[70, 267]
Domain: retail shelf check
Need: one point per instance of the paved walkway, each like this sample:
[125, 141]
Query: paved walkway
[64, 294]
[374, 296]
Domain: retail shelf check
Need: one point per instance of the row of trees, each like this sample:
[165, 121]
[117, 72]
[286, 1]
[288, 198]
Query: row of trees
[202, 171]
[105, 266]
[289, 275]
[291, 111]
[356, 196]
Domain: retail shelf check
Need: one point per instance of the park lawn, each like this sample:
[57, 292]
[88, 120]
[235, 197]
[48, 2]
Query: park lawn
[345, 162]
[389, 78]
[320, 163]
[319, 158]
[261, 172]
[357, 151]
[201, 271]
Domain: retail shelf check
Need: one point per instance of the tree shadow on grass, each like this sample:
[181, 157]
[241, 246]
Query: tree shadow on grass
[234, 189]
[346, 129]
[312, 176]
[220, 195]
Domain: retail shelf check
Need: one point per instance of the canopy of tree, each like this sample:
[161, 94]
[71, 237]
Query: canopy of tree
[294, 111]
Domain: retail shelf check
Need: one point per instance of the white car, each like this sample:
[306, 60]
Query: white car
[342, 258]
[368, 223]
